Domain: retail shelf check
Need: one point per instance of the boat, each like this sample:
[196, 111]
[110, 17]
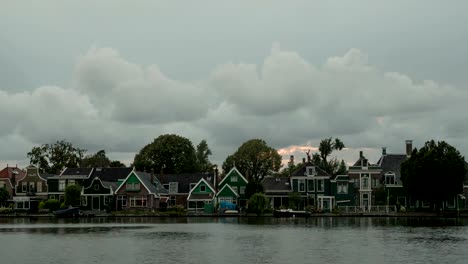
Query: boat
[68, 212]
[290, 213]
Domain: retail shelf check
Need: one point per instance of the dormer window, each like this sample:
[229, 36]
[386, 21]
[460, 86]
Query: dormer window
[310, 171]
[234, 178]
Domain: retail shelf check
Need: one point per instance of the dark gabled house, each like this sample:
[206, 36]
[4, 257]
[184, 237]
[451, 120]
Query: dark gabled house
[179, 186]
[367, 180]
[277, 189]
[97, 193]
[69, 176]
[390, 165]
[313, 186]
[31, 189]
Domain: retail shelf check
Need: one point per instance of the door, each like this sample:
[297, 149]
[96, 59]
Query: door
[96, 203]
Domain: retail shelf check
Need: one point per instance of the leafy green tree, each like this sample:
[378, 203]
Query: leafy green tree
[435, 173]
[326, 147]
[52, 158]
[72, 195]
[203, 152]
[169, 154]
[52, 204]
[96, 160]
[254, 159]
[258, 203]
[294, 200]
[116, 164]
[252, 188]
[4, 196]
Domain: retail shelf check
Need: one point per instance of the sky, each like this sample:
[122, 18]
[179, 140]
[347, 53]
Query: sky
[114, 75]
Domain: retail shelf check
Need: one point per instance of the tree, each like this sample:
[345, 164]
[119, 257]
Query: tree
[167, 153]
[52, 158]
[326, 147]
[294, 200]
[97, 160]
[116, 164]
[252, 188]
[72, 195]
[254, 159]
[258, 203]
[202, 153]
[4, 196]
[435, 173]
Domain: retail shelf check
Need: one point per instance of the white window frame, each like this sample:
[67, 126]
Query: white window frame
[2, 184]
[31, 186]
[173, 187]
[122, 199]
[61, 185]
[134, 199]
[71, 182]
[299, 182]
[24, 187]
[242, 190]
[234, 178]
[342, 188]
[84, 200]
[320, 185]
[132, 186]
[202, 188]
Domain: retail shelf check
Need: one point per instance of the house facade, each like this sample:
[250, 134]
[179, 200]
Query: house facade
[277, 189]
[31, 189]
[69, 176]
[367, 181]
[232, 187]
[202, 197]
[8, 178]
[139, 191]
[342, 188]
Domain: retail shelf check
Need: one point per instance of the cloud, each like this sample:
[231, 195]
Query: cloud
[120, 106]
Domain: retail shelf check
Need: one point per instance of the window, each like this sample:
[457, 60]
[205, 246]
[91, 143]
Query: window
[71, 182]
[192, 185]
[375, 183]
[320, 185]
[96, 187]
[2, 184]
[242, 190]
[342, 188]
[173, 187]
[302, 185]
[202, 188]
[137, 201]
[24, 187]
[310, 170]
[31, 186]
[365, 182]
[122, 200]
[39, 186]
[52, 197]
[84, 200]
[234, 178]
[390, 179]
[106, 200]
[172, 200]
[310, 187]
[61, 185]
[133, 186]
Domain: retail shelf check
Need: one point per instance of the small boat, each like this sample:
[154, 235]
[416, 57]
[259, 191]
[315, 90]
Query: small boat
[290, 213]
[68, 212]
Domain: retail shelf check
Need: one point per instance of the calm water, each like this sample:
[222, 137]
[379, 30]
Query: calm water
[232, 240]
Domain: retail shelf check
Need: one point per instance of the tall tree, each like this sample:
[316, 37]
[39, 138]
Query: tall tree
[326, 147]
[52, 158]
[254, 159]
[435, 173]
[116, 164]
[96, 160]
[203, 152]
[167, 153]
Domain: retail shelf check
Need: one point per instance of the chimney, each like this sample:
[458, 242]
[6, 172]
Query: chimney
[409, 147]
[384, 151]
[303, 160]
[291, 160]
[361, 154]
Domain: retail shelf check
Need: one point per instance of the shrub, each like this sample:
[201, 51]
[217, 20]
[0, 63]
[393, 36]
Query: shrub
[41, 205]
[258, 204]
[51, 204]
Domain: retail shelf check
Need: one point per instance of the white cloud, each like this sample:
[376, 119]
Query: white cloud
[120, 106]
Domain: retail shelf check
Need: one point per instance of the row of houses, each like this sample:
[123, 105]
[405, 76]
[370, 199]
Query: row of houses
[364, 186]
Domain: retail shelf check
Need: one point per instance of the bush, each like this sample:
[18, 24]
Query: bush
[51, 204]
[41, 205]
[63, 206]
[258, 204]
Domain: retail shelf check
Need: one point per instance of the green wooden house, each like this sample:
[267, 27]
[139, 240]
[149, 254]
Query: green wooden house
[96, 196]
[201, 198]
[232, 188]
[342, 187]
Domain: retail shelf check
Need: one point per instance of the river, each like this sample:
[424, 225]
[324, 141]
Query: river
[233, 240]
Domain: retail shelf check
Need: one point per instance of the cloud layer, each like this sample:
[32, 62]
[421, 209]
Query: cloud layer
[119, 105]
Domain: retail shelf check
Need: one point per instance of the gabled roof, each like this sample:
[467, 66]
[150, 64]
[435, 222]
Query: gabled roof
[192, 196]
[234, 169]
[184, 180]
[8, 173]
[82, 173]
[111, 174]
[302, 170]
[392, 163]
[154, 187]
[92, 183]
[228, 187]
[276, 184]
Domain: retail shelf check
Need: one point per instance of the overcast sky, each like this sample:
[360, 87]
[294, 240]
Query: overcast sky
[115, 75]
